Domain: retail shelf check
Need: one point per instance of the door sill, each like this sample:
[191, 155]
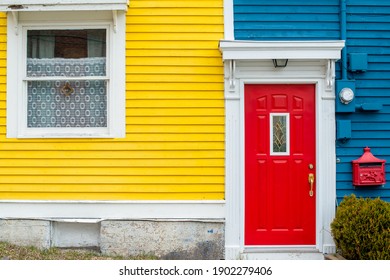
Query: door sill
[281, 253]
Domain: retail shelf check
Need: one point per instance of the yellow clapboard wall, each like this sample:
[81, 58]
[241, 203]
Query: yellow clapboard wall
[174, 145]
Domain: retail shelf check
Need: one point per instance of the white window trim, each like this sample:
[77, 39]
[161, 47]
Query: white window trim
[287, 152]
[16, 114]
[63, 5]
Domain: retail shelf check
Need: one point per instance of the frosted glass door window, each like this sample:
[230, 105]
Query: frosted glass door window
[280, 134]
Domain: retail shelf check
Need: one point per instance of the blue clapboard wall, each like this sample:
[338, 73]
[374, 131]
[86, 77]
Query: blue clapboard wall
[368, 31]
[286, 20]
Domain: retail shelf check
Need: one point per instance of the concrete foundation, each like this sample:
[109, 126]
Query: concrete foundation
[164, 239]
[26, 232]
[161, 238]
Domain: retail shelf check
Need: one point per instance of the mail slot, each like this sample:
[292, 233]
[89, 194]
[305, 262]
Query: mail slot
[368, 170]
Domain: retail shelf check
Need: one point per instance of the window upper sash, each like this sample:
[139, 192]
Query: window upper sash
[63, 5]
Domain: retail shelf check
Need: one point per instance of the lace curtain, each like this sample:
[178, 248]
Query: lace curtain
[67, 103]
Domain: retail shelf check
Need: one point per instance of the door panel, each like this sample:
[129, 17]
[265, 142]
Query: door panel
[279, 156]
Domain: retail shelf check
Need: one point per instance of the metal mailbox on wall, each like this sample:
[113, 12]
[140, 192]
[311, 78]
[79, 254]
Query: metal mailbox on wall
[368, 170]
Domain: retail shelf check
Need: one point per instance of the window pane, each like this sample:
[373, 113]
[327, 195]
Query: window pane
[67, 103]
[66, 43]
[67, 53]
[279, 137]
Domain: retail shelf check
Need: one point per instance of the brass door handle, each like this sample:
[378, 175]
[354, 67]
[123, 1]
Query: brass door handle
[311, 182]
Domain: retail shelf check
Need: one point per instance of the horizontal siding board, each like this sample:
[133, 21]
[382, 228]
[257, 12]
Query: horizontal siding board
[119, 146]
[169, 78]
[286, 26]
[177, 3]
[364, 42]
[174, 53]
[151, 154]
[287, 34]
[201, 120]
[368, 26]
[277, 8]
[116, 171]
[112, 196]
[367, 3]
[172, 45]
[285, 2]
[205, 86]
[374, 143]
[172, 36]
[368, 34]
[374, 50]
[171, 61]
[358, 151]
[110, 179]
[366, 134]
[102, 163]
[174, 144]
[178, 103]
[175, 20]
[378, 9]
[177, 11]
[252, 16]
[179, 129]
[177, 112]
[173, 94]
[119, 188]
[286, 20]
[156, 71]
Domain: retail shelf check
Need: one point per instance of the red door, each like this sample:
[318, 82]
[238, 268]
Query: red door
[280, 165]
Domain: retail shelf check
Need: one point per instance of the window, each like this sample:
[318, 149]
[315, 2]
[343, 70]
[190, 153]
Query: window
[280, 134]
[70, 77]
[66, 78]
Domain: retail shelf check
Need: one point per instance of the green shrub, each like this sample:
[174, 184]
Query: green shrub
[361, 229]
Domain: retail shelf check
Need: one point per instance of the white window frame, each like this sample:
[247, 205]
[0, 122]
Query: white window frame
[17, 78]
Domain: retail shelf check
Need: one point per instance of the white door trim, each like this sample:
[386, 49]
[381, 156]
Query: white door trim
[238, 72]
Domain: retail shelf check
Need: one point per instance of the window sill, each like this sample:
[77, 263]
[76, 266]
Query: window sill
[72, 133]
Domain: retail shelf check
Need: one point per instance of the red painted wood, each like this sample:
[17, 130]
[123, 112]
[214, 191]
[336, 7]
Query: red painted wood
[278, 207]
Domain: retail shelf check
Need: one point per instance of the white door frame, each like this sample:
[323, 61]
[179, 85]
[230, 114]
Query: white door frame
[250, 62]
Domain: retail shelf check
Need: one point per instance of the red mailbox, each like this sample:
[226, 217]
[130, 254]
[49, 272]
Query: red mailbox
[368, 170]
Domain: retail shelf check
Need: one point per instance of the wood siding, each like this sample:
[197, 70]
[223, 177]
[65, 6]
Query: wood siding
[368, 32]
[368, 25]
[286, 20]
[174, 145]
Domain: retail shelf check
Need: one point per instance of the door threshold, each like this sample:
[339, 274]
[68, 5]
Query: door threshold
[281, 253]
[280, 249]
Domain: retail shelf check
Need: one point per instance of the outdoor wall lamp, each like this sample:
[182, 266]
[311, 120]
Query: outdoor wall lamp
[280, 63]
